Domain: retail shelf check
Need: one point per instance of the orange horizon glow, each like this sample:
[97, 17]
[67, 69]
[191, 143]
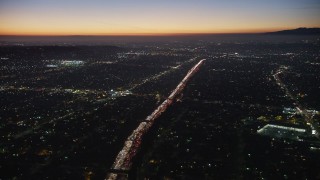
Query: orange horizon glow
[119, 33]
[150, 18]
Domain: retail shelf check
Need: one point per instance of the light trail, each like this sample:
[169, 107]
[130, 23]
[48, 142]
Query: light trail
[131, 146]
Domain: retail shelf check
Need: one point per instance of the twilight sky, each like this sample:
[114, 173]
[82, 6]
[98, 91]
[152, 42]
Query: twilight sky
[141, 17]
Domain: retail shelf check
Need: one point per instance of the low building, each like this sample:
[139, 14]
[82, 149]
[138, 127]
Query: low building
[283, 132]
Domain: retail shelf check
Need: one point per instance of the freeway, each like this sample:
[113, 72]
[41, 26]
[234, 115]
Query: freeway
[131, 146]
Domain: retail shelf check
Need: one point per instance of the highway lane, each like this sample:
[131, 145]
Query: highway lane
[131, 146]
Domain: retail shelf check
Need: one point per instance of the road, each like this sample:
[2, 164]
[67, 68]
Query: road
[303, 111]
[131, 146]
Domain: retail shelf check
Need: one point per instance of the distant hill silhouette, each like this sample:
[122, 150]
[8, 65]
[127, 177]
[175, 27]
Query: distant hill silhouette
[298, 31]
